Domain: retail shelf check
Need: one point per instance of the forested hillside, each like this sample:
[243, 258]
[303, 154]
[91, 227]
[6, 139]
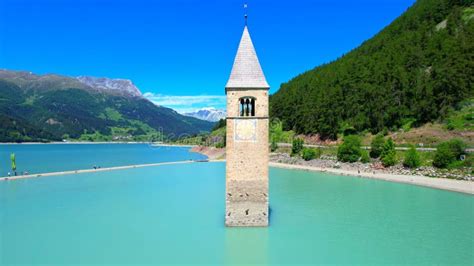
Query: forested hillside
[54, 108]
[417, 70]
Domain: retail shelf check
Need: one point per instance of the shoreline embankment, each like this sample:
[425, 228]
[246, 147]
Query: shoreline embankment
[465, 187]
[461, 186]
[453, 185]
[97, 142]
[217, 155]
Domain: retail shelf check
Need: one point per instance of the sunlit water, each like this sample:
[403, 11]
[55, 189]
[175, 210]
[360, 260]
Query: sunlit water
[34, 158]
[175, 214]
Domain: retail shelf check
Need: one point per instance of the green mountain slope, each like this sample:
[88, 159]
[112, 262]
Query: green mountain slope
[51, 110]
[417, 70]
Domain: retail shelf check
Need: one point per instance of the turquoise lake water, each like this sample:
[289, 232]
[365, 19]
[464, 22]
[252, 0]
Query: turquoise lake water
[44, 158]
[174, 214]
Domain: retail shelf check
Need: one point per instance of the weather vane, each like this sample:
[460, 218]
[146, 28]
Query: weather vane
[245, 9]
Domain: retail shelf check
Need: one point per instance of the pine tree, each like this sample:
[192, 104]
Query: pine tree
[388, 155]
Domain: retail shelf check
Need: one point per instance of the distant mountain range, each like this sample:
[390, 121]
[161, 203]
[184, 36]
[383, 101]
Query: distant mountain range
[54, 107]
[208, 114]
[121, 86]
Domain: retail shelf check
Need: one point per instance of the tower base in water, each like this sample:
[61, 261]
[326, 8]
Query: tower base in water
[247, 203]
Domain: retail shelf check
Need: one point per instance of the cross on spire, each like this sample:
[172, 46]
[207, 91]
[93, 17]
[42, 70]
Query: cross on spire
[245, 10]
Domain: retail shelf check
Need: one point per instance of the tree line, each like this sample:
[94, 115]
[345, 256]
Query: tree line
[416, 70]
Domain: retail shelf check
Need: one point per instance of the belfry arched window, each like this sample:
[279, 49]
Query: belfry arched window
[247, 106]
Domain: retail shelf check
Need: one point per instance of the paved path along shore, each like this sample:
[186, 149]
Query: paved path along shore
[289, 145]
[438, 183]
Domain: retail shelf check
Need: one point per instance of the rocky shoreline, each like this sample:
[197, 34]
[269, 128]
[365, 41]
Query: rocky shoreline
[212, 153]
[375, 168]
[451, 180]
[330, 162]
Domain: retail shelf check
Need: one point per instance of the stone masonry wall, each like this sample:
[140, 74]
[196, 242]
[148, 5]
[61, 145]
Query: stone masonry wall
[247, 165]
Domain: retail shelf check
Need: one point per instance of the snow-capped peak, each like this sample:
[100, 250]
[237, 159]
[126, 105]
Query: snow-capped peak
[208, 113]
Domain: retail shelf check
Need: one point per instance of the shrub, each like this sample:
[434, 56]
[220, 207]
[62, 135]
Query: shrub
[349, 131]
[457, 147]
[276, 130]
[443, 157]
[287, 136]
[388, 155]
[222, 142]
[376, 146]
[448, 152]
[297, 146]
[219, 124]
[407, 123]
[412, 158]
[309, 154]
[365, 158]
[349, 151]
[273, 145]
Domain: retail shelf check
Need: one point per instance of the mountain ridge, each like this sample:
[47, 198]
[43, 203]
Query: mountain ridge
[30, 81]
[124, 86]
[54, 107]
[410, 73]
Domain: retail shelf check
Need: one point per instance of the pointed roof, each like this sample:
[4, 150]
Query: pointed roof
[246, 72]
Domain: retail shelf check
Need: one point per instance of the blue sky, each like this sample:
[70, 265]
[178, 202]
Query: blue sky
[180, 53]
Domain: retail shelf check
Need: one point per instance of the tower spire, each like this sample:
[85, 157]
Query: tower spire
[246, 71]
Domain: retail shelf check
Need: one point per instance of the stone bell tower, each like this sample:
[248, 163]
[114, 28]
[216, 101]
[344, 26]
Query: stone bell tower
[247, 140]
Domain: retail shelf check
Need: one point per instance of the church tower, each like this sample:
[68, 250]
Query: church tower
[247, 146]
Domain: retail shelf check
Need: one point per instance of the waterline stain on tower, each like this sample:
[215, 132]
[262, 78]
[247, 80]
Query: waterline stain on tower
[247, 140]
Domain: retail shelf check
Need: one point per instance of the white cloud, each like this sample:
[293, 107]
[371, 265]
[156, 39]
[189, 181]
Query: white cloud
[185, 104]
